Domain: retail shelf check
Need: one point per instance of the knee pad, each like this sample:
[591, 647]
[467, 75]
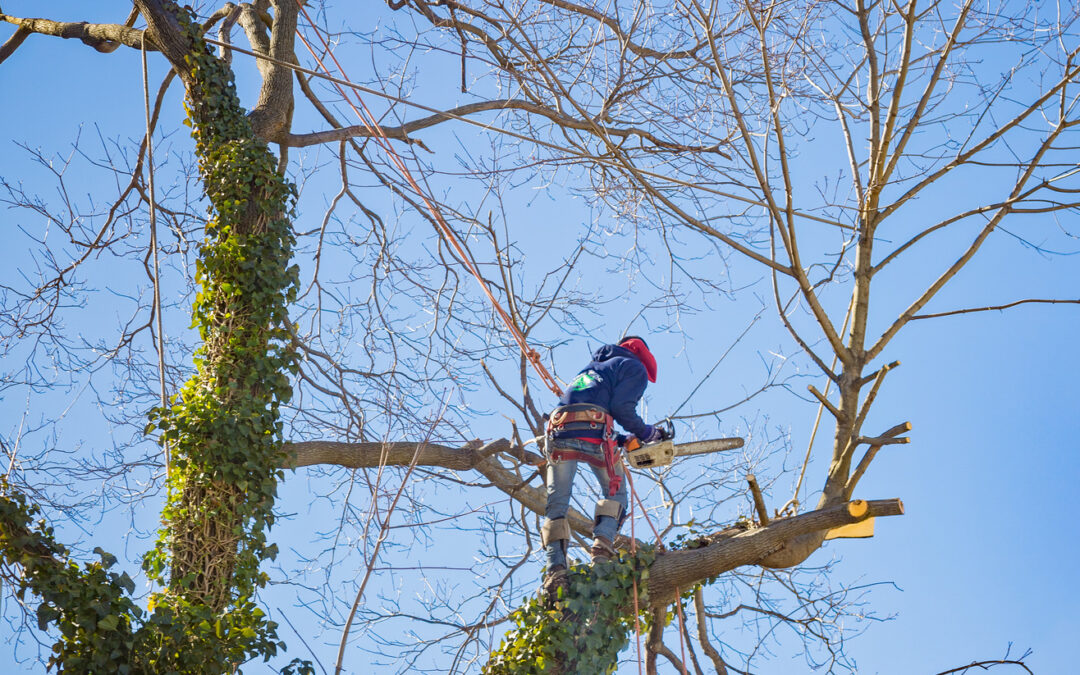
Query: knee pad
[555, 530]
[610, 508]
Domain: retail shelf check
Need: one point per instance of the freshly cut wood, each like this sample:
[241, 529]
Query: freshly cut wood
[860, 530]
[857, 508]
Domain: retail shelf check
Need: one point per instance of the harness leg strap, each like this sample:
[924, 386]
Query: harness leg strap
[555, 530]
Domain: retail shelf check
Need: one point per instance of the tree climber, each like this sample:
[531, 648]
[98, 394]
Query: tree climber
[580, 430]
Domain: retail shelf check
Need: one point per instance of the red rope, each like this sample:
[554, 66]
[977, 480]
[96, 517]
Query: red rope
[659, 546]
[682, 627]
[368, 120]
[637, 612]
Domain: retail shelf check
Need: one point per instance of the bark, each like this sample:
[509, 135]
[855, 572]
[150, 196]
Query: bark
[272, 115]
[164, 32]
[13, 42]
[104, 37]
[370, 455]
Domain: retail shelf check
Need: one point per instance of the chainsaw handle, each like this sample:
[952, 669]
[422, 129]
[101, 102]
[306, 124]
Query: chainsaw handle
[667, 429]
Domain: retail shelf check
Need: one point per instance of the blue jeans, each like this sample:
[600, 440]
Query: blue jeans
[560, 485]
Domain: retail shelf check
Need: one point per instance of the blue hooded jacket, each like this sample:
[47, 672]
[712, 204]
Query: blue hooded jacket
[615, 380]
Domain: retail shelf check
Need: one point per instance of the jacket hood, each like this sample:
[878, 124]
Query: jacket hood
[612, 351]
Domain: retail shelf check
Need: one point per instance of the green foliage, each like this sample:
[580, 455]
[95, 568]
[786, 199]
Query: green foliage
[90, 606]
[223, 430]
[584, 630]
[101, 629]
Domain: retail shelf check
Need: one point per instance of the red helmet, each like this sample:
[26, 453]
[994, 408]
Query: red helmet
[641, 350]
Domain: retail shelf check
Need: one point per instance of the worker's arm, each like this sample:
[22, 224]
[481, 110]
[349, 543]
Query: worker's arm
[627, 392]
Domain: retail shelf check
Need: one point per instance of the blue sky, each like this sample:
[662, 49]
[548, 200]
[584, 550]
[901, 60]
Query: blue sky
[985, 554]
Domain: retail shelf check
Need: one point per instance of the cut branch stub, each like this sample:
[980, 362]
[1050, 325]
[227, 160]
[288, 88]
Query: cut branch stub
[858, 508]
[825, 402]
[873, 376]
[871, 452]
[882, 440]
[759, 501]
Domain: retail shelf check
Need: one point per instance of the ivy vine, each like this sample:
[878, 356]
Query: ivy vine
[584, 630]
[223, 430]
[223, 427]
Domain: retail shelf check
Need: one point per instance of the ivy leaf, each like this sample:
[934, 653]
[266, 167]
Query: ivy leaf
[126, 583]
[107, 559]
[46, 614]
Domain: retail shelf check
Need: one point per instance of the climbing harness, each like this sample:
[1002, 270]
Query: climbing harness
[580, 417]
[611, 459]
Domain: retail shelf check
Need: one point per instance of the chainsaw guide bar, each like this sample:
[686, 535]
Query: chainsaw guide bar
[661, 453]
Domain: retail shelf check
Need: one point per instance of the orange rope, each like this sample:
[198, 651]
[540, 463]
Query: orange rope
[368, 120]
[659, 546]
[637, 612]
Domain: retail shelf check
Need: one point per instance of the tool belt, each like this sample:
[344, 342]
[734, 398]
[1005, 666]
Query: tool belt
[567, 419]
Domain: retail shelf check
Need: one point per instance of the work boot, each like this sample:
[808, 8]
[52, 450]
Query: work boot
[554, 581]
[602, 550]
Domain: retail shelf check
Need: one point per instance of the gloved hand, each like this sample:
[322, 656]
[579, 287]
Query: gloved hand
[653, 434]
[666, 433]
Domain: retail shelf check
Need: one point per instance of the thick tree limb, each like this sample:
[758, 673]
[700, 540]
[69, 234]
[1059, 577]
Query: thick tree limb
[401, 133]
[370, 455]
[465, 458]
[272, 115]
[783, 543]
[104, 37]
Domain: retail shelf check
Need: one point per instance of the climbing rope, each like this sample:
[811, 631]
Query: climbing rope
[367, 119]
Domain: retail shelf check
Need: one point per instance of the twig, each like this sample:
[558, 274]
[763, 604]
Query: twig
[987, 665]
[1045, 301]
[382, 536]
